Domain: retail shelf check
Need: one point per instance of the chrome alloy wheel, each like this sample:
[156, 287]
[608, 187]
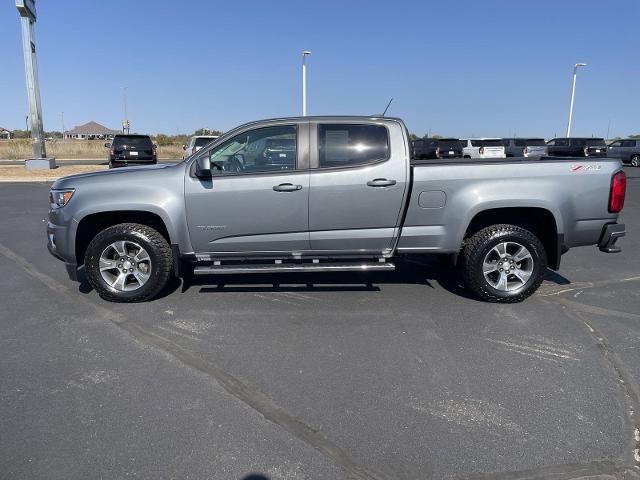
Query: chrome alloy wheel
[125, 266]
[508, 266]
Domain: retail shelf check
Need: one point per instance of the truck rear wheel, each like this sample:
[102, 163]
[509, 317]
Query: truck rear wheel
[503, 263]
[128, 262]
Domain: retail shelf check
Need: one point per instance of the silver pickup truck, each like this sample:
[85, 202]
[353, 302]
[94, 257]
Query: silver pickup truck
[319, 194]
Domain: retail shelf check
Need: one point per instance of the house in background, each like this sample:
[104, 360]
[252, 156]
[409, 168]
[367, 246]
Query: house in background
[5, 134]
[91, 131]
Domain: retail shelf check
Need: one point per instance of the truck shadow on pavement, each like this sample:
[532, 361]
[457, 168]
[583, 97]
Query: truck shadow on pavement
[425, 271]
[422, 271]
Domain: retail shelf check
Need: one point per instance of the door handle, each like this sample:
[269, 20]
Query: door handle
[380, 182]
[287, 187]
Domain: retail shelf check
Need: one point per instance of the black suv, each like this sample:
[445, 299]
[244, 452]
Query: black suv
[427, 148]
[577, 147]
[131, 149]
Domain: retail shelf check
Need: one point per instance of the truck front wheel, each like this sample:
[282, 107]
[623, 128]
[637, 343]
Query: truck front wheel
[128, 262]
[503, 263]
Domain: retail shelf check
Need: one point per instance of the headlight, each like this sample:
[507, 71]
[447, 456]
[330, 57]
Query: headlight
[59, 198]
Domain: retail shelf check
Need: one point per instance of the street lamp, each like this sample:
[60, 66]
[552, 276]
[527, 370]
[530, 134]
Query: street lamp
[573, 93]
[305, 53]
[125, 121]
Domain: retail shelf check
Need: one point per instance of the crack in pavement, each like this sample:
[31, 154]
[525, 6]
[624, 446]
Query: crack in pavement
[574, 310]
[240, 390]
[264, 405]
[550, 291]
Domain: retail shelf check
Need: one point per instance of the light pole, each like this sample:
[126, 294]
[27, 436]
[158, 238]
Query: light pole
[573, 93]
[304, 82]
[27, 11]
[125, 121]
[64, 131]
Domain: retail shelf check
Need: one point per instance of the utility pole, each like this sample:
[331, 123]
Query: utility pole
[64, 131]
[27, 11]
[125, 121]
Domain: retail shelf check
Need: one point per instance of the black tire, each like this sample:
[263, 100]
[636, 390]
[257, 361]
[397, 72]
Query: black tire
[160, 258]
[475, 251]
[113, 164]
[635, 161]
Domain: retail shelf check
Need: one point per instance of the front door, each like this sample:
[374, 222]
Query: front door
[257, 200]
[358, 180]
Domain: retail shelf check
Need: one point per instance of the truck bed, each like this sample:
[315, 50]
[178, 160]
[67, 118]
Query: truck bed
[447, 194]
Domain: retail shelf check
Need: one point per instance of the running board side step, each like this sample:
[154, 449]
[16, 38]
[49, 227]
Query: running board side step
[293, 268]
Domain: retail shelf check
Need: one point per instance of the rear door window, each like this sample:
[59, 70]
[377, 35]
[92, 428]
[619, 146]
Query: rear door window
[133, 141]
[346, 145]
[201, 142]
[449, 144]
[629, 143]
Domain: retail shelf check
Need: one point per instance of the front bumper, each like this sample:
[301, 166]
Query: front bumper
[611, 232]
[58, 246]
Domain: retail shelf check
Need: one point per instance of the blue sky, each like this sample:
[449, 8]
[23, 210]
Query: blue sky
[455, 68]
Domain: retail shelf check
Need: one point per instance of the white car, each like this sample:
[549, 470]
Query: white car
[196, 143]
[482, 148]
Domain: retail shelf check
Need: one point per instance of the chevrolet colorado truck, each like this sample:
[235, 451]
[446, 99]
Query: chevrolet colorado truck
[326, 194]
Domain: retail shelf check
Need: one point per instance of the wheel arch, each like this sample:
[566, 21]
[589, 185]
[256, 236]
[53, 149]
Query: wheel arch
[538, 220]
[92, 224]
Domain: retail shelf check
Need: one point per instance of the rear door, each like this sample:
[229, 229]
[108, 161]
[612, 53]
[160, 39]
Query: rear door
[358, 181]
[252, 204]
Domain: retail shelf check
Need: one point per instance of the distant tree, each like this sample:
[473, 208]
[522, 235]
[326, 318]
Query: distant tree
[413, 136]
[21, 134]
[53, 134]
[207, 131]
[637, 135]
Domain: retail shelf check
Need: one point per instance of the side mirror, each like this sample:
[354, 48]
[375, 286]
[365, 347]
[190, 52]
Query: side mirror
[107, 145]
[184, 147]
[203, 167]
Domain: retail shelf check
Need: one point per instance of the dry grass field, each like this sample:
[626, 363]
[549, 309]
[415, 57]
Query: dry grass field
[21, 174]
[17, 149]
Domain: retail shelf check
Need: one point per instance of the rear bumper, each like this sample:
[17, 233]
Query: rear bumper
[611, 232]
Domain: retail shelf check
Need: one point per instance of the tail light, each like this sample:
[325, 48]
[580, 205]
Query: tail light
[586, 151]
[438, 152]
[481, 150]
[154, 150]
[618, 191]
[113, 150]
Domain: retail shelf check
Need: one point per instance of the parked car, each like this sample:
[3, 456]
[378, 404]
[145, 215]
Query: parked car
[525, 147]
[196, 143]
[434, 148]
[626, 150]
[350, 199]
[482, 148]
[577, 147]
[131, 149]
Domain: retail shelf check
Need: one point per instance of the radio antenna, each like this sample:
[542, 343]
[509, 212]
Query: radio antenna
[387, 108]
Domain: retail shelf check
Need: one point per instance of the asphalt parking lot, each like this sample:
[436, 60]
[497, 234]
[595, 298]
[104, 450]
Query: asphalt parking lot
[382, 376]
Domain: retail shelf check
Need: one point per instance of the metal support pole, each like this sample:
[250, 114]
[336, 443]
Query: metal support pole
[573, 94]
[304, 82]
[33, 87]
